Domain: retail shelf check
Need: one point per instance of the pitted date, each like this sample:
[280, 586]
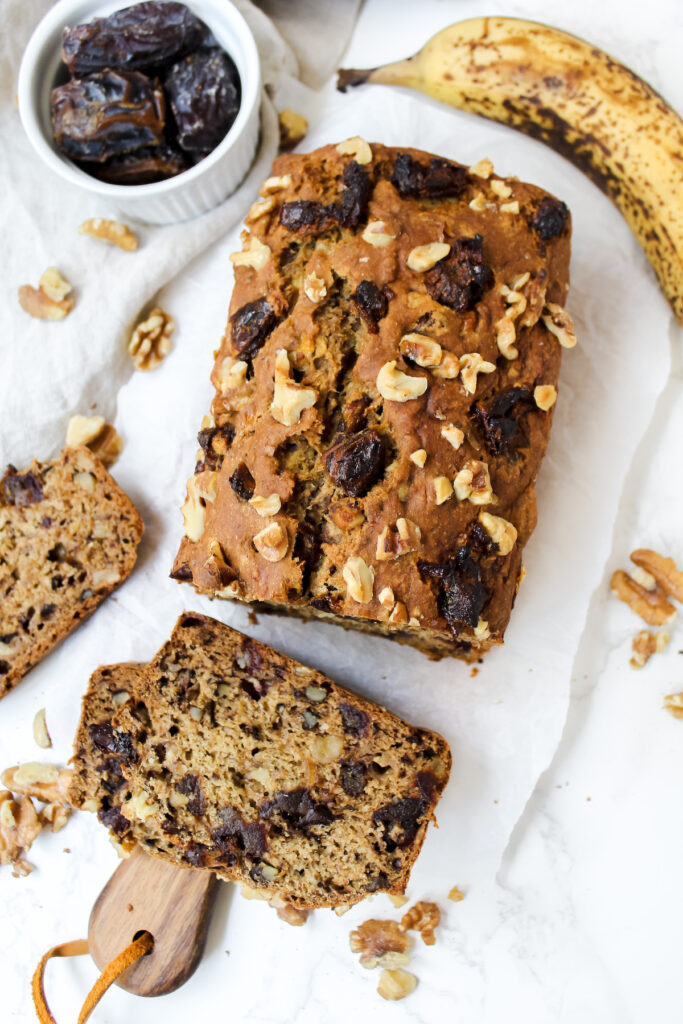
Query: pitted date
[146, 36]
[462, 594]
[250, 326]
[460, 280]
[107, 114]
[439, 180]
[356, 463]
[142, 167]
[550, 218]
[372, 303]
[501, 421]
[203, 90]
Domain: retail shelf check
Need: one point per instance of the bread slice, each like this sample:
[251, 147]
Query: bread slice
[68, 537]
[268, 773]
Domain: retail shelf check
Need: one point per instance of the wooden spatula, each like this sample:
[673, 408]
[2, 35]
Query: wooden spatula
[146, 894]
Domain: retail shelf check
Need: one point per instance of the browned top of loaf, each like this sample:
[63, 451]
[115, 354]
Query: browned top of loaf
[264, 770]
[339, 355]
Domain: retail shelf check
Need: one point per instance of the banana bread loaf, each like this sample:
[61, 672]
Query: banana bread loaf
[241, 760]
[384, 397]
[68, 537]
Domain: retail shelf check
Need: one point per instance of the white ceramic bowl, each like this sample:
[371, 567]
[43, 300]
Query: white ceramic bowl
[188, 194]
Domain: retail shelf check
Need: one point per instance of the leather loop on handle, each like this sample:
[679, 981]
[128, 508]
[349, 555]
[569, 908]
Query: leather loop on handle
[139, 947]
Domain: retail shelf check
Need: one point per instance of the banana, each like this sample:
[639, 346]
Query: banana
[590, 108]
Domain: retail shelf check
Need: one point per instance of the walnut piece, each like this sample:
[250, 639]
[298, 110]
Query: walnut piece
[231, 373]
[559, 323]
[289, 398]
[293, 128]
[545, 396]
[420, 349]
[663, 569]
[150, 342]
[374, 939]
[276, 183]
[393, 542]
[423, 918]
[474, 483]
[512, 207]
[110, 231]
[259, 209]
[645, 644]
[19, 826]
[40, 733]
[472, 364]
[443, 489]
[266, 507]
[456, 894]
[396, 984]
[376, 234]
[290, 915]
[423, 257]
[201, 487]
[359, 578]
[651, 605]
[482, 169]
[454, 435]
[396, 386]
[271, 542]
[326, 749]
[40, 302]
[357, 148]
[505, 338]
[97, 435]
[499, 188]
[673, 703]
[418, 457]
[315, 288]
[501, 532]
[255, 254]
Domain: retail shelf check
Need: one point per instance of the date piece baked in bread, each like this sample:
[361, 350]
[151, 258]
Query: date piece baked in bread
[384, 397]
[248, 763]
[68, 537]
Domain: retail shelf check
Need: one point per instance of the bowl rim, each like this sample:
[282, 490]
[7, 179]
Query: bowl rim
[57, 17]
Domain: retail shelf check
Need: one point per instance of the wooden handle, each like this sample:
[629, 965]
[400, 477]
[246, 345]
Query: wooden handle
[173, 904]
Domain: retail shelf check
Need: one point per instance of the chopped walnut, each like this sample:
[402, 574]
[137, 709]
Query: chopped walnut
[150, 342]
[399, 614]
[291, 915]
[231, 373]
[271, 542]
[396, 984]
[393, 542]
[396, 386]
[545, 396]
[110, 231]
[443, 489]
[374, 939]
[376, 234]
[40, 731]
[673, 703]
[651, 605]
[420, 349]
[424, 257]
[502, 533]
[471, 364]
[314, 288]
[422, 918]
[559, 323]
[44, 782]
[19, 826]
[474, 483]
[456, 894]
[645, 644]
[326, 749]
[54, 285]
[454, 435]
[449, 367]
[386, 597]
[97, 435]
[266, 507]
[259, 209]
[482, 169]
[418, 457]
[275, 184]
[505, 338]
[664, 570]
[293, 128]
[357, 148]
[201, 487]
[255, 254]
[289, 398]
[499, 188]
[397, 901]
[359, 578]
[478, 202]
[40, 304]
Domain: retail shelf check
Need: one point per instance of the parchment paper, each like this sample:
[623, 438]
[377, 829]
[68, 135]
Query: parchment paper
[503, 723]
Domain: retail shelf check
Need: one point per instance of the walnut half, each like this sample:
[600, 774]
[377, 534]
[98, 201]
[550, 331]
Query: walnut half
[150, 342]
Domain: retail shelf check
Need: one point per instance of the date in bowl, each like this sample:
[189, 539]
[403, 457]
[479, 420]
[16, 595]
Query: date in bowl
[177, 198]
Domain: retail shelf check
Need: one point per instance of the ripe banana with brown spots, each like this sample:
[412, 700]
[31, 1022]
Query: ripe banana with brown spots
[590, 108]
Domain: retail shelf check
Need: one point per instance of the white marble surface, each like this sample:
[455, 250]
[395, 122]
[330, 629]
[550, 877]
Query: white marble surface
[574, 917]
